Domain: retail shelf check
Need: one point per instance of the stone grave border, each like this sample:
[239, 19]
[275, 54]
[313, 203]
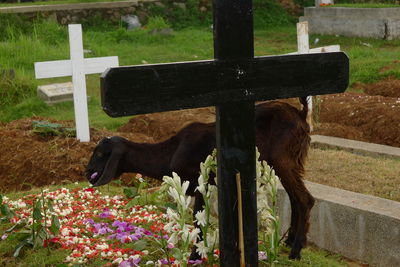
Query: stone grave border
[360, 227]
[378, 23]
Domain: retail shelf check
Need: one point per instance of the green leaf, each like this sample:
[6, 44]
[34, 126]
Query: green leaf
[132, 203]
[177, 253]
[140, 245]
[171, 206]
[41, 236]
[16, 226]
[50, 205]
[5, 210]
[55, 225]
[37, 214]
[18, 248]
[131, 192]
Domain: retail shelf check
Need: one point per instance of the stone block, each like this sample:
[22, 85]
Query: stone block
[378, 23]
[55, 93]
[360, 227]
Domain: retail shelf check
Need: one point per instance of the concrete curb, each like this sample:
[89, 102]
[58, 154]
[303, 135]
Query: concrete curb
[378, 23]
[80, 6]
[357, 226]
[358, 147]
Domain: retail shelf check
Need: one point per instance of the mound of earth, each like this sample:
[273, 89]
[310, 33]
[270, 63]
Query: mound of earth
[389, 87]
[361, 117]
[28, 159]
[162, 125]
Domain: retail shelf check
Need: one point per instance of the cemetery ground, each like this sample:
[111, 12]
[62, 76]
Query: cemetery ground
[368, 111]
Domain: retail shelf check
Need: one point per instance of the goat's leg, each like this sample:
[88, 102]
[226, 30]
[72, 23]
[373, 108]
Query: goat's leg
[198, 206]
[293, 222]
[303, 204]
[286, 177]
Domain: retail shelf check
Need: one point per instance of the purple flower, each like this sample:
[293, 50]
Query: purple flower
[105, 214]
[195, 262]
[132, 261]
[90, 221]
[101, 228]
[164, 261]
[262, 255]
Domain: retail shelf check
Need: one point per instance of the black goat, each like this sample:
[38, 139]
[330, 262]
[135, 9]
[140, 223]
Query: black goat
[282, 138]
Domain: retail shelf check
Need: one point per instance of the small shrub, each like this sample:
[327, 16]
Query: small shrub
[157, 23]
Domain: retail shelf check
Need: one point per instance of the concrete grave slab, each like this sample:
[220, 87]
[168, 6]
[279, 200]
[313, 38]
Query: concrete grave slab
[357, 226]
[358, 147]
[56, 92]
[378, 23]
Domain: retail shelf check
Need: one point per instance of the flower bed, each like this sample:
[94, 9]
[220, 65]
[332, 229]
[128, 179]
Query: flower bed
[93, 225]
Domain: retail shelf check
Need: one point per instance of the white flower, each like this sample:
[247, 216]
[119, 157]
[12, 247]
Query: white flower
[201, 187]
[194, 234]
[201, 249]
[117, 261]
[201, 217]
[185, 186]
[173, 238]
[150, 263]
[65, 232]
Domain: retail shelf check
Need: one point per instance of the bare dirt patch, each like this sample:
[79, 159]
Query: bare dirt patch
[388, 87]
[361, 117]
[28, 159]
[160, 126]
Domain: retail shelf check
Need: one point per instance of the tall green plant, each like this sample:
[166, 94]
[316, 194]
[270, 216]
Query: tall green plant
[269, 222]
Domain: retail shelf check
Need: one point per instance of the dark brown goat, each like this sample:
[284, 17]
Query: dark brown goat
[282, 138]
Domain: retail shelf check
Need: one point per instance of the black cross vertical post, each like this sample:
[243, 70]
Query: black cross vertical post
[233, 39]
[232, 82]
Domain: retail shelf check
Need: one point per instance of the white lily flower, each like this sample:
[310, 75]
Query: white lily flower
[201, 249]
[201, 187]
[194, 234]
[185, 186]
[201, 217]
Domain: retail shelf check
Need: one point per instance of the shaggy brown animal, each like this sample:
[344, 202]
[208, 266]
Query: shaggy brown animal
[282, 138]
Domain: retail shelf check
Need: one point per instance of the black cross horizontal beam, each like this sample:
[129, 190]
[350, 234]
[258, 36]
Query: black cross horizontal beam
[162, 87]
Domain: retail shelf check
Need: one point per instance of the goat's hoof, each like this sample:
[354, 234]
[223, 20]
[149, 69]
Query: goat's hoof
[294, 255]
[194, 255]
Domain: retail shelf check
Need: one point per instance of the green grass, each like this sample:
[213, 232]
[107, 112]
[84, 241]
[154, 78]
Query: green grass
[24, 43]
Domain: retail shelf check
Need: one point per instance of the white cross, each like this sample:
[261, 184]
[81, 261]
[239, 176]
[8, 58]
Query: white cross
[77, 67]
[303, 47]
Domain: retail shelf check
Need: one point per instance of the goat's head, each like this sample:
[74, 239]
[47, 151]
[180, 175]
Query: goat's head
[104, 165]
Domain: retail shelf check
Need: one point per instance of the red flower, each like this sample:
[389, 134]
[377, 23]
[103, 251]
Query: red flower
[90, 189]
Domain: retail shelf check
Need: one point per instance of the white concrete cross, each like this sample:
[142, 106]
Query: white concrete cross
[77, 67]
[303, 47]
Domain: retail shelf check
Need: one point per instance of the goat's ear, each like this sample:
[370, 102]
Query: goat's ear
[111, 169]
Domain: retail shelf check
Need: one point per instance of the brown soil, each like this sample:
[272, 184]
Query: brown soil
[160, 126]
[361, 117]
[389, 87]
[27, 159]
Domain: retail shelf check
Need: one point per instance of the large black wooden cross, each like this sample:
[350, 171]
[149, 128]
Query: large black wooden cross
[232, 82]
